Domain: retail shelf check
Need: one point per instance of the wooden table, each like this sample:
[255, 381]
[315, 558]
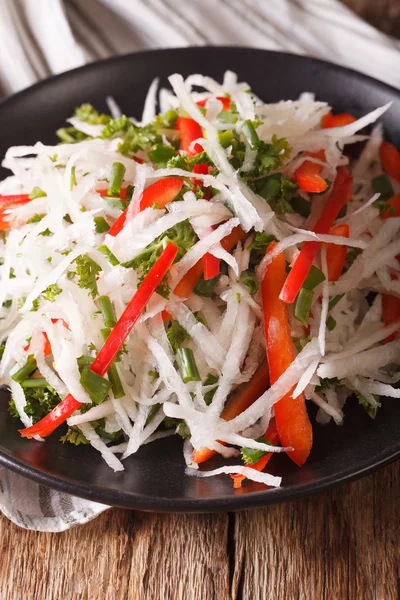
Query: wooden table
[340, 545]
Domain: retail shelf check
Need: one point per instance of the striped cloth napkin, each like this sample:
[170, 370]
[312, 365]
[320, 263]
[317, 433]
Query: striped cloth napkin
[43, 37]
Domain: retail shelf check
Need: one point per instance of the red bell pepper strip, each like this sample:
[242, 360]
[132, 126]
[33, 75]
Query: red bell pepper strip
[7, 202]
[336, 255]
[160, 192]
[307, 174]
[394, 211]
[190, 130]
[226, 102]
[292, 422]
[330, 120]
[113, 343]
[272, 436]
[245, 397]
[390, 313]
[340, 195]
[47, 347]
[390, 159]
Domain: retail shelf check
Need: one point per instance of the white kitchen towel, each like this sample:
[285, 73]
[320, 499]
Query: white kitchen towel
[43, 37]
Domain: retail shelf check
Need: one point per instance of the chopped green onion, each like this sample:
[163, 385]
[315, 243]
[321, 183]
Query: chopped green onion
[116, 384]
[112, 259]
[101, 225]
[315, 277]
[34, 382]
[107, 311]
[96, 386]
[250, 280]
[205, 288]
[250, 134]
[152, 413]
[72, 180]
[330, 323]
[301, 206]
[226, 116]
[160, 153]
[116, 179]
[170, 117]
[225, 138]
[252, 455]
[334, 300]
[303, 304]
[25, 370]
[36, 193]
[187, 365]
[84, 361]
[382, 185]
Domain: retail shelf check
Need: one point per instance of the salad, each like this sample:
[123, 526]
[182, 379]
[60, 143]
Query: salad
[201, 272]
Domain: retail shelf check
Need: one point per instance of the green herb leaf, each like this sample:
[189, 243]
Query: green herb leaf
[51, 292]
[176, 335]
[87, 270]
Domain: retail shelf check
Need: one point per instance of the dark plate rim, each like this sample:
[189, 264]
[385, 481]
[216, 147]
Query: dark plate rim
[193, 505]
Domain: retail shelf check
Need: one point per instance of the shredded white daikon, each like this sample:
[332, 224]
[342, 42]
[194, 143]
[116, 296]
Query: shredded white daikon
[75, 252]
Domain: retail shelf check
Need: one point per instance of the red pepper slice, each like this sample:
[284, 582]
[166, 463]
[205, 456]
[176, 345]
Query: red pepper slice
[47, 347]
[113, 343]
[226, 102]
[190, 130]
[307, 175]
[340, 195]
[390, 313]
[272, 436]
[292, 422]
[390, 159]
[336, 255]
[330, 120]
[242, 399]
[160, 192]
[7, 202]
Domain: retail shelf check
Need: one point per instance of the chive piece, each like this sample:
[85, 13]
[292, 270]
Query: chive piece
[107, 311]
[84, 361]
[152, 413]
[225, 138]
[226, 116]
[382, 185]
[96, 386]
[270, 189]
[170, 117]
[113, 260]
[115, 202]
[72, 181]
[303, 304]
[250, 281]
[334, 300]
[65, 136]
[116, 384]
[301, 206]
[34, 382]
[36, 193]
[101, 225]
[253, 455]
[187, 365]
[250, 134]
[116, 179]
[25, 370]
[330, 323]
[315, 277]
[205, 288]
[160, 153]
[105, 332]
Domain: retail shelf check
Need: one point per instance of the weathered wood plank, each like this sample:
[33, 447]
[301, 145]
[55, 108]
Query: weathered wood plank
[342, 544]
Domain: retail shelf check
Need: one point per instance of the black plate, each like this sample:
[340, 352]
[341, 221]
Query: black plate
[154, 479]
